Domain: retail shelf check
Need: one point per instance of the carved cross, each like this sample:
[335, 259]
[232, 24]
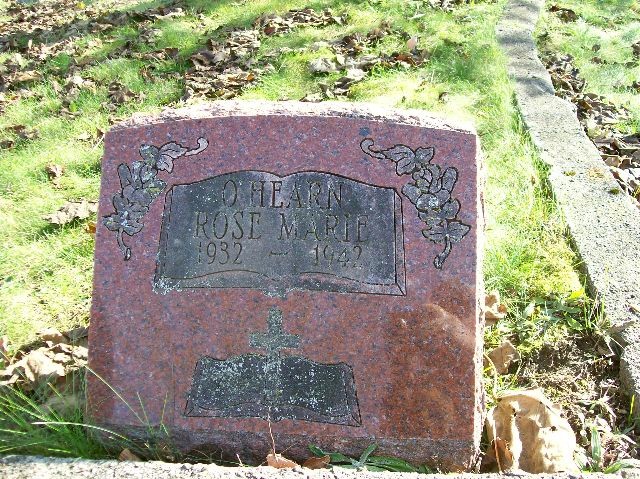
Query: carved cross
[275, 338]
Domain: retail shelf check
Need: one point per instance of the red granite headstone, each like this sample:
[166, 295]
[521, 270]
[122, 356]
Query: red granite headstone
[315, 266]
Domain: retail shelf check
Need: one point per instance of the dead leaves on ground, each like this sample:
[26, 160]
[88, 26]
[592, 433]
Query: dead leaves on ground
[272, 24]
[71, 211]
[221, 70]
[599, 118]
[446, 5]
[349, 57]
[504, 355]
[225, 67]
[42, 30]
[529, 433]
[59, 355]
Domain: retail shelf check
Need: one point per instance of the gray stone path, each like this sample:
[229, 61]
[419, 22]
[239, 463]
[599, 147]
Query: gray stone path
[32, 467]
[604, 226]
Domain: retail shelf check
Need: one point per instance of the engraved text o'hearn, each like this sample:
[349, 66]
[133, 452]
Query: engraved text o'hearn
[309, 230]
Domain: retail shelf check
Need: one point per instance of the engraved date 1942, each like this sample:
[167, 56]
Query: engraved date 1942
[328, 255]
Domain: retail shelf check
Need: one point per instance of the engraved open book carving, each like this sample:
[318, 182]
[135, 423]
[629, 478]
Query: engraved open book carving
[273, 386]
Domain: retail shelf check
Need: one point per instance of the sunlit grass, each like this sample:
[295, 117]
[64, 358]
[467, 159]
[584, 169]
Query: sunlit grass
[600, 43]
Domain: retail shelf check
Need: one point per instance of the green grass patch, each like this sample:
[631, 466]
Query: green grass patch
[600, 42]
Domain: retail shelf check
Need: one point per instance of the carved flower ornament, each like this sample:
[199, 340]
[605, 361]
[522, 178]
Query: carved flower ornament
[429, 191]
[140, 186]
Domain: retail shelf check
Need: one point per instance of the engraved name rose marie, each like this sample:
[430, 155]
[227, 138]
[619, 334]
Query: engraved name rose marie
[140, 186]
[429, 190]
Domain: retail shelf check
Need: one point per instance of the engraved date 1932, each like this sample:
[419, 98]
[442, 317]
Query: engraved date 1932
[219, 252]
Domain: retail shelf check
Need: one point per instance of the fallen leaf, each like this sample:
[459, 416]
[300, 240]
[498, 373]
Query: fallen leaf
[280, 462]
[322, 65]
[494, 311]
[55, 174]
[565, 14]
[26, 76]
[498, 457]
[120, 94]
[80, 352]
[127, 455]
[537, 435]
[77, 333]
[4, 345]
[503, 356]
[40, 368]
[317, 462]
[23, 132]
[7, 144]
[52, 335]
[91, 228]
[72, 210]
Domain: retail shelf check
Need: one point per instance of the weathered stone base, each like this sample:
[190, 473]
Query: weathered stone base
[252, 448]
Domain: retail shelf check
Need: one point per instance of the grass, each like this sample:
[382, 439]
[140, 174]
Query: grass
[28, 427]
[52, 422]
[609, 27]
[45, 271]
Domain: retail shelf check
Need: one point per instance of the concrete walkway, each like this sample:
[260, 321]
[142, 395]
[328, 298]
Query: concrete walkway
[604, 225]
[32, 467]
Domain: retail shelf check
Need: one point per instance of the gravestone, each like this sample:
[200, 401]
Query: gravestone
[313, 270]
